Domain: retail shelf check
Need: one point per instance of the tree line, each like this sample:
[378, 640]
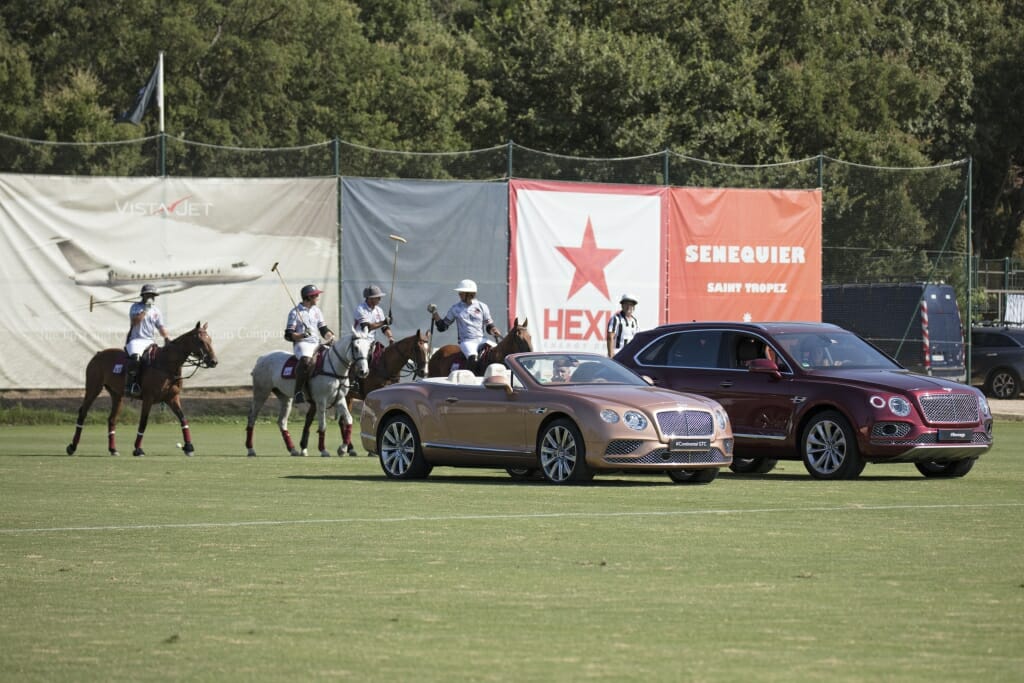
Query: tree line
[898, 83]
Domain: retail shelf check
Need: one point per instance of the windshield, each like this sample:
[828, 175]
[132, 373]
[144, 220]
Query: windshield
[578, 368]
[833, 349]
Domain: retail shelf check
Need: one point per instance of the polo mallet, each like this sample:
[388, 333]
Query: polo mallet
[94, 302]
[431, 309]
[394, 270]
[275, 269]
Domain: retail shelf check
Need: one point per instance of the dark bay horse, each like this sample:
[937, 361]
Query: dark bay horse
[390, 367]
[517, 340]
[160, 380]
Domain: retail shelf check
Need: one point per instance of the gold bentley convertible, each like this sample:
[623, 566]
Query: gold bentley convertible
[563, 417]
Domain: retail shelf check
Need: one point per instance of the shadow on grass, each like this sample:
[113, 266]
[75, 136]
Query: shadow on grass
[808, 478]
[497, 480]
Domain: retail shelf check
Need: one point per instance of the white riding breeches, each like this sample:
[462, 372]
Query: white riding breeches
[136, 347]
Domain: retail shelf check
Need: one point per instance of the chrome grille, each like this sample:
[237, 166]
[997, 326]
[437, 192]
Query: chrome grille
[622, 446]
[930, 438]
[897, 430]
[962, 408]
[662, 456]
[685, 422]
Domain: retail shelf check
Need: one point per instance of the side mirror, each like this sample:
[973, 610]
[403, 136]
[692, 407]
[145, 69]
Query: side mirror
[764, 366]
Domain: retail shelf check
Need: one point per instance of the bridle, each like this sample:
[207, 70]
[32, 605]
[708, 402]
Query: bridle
[194, 359]
[353, 350]
[519, 340]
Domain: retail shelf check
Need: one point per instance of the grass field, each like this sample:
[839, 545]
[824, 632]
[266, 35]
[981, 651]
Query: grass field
[222, 568]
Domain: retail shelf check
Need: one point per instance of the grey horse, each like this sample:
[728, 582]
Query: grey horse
[327, 389]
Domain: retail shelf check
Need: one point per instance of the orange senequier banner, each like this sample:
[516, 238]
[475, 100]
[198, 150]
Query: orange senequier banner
[744, 255]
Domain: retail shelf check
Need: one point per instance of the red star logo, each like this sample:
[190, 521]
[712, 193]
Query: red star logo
[589, 261]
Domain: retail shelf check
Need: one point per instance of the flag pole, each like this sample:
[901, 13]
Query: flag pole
[160, 106]
[160, 88]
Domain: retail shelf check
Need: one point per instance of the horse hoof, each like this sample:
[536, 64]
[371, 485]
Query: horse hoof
[70, 450]
[297, 454]
[138, 453]
[251, 453]
[325, 453]
[189, 448]
[114, 453]
[351, 450]
[304, 452]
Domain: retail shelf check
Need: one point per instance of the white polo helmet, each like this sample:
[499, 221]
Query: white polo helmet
[466, 286]
[628, 298]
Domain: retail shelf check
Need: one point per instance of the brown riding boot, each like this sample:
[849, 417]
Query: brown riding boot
[301, 377]
[131, 381]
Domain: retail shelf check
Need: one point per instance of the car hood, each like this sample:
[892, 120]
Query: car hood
[888, 380]
[652, 398]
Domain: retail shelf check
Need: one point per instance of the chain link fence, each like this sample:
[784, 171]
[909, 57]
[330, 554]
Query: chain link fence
[879, 224]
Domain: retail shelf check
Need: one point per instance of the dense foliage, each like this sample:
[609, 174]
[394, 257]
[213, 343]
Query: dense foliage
[877, 82]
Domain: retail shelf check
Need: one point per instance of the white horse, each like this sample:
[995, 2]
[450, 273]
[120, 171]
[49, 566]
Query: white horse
[328, 388]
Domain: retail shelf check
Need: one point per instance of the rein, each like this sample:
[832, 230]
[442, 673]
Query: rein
[332, 354]
[192, 359]
[382, 368]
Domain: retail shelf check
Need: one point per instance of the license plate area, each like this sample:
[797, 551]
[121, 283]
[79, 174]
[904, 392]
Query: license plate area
[955, 435]
[677, 444]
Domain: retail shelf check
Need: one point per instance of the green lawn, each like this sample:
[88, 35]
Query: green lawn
[222, 567]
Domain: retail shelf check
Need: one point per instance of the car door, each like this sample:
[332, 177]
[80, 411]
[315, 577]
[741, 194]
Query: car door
[709, 362]
[984, 354]
[482, 420]
[761, 406]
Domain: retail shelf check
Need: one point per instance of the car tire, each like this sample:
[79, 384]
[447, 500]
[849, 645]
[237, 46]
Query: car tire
[705, 476]
[401, 453]
[945, 470]
[829, 447]
[1003, 383]
[752, 465]
[525, 474]
[562, 453]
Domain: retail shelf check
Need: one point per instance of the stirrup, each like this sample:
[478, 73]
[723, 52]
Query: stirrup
[135, 389]
[298, 397]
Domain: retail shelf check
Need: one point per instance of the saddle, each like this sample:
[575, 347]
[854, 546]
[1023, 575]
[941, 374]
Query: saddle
[288, 369]
[147, 358]
[483, 353]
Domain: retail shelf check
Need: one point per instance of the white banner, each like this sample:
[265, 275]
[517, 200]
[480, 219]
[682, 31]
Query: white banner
[207, 244]
[577, 248]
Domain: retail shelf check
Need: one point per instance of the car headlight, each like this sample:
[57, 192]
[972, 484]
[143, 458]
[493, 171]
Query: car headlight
[983, 406]
[899, 406]
[634, 420]
[609, 416]
[722, 419]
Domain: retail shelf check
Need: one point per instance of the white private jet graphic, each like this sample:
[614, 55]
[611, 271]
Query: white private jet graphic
[166, 276]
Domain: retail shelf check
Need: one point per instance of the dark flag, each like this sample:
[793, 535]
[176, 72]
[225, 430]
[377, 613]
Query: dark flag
[142, 100]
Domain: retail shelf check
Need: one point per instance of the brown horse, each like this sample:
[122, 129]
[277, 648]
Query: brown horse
[160, 380]
[517, 340]
[388, 369]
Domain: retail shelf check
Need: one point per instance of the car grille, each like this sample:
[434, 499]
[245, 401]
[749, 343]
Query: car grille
[622, 446]
[932, 438]
[947, 408]
[662, 456]
[685, 422]
[889, 430]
